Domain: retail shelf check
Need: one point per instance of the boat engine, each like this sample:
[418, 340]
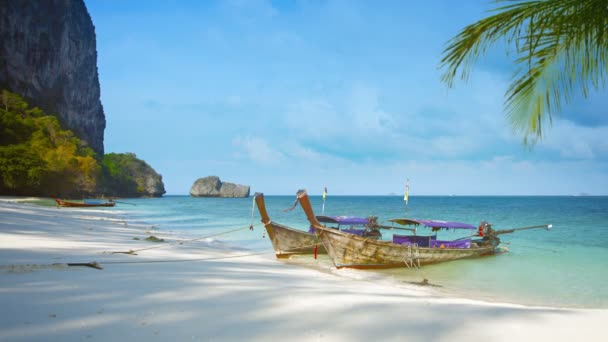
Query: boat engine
[372, 228]
[484, 228]
[489, 237]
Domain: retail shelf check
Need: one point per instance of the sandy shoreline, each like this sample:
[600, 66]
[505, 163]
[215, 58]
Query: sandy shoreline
[250, 298]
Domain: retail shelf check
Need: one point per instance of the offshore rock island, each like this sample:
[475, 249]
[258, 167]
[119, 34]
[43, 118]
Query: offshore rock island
[211, 186]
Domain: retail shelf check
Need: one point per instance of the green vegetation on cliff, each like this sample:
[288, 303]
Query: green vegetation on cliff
[38, 157]
[129, 176]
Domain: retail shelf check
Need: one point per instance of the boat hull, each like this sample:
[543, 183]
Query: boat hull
[63, 203]
[353, 251]
[287, 241]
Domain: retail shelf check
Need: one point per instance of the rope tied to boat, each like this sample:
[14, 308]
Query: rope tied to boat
[252, 213]
[264, 231]
[135, 251]
[98, 264]
[412, 257]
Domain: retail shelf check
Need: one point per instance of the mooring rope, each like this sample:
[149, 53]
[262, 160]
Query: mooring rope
[133, 251]
[207, 259]
[203, 259]
[252, 213]
[98, 264]
[182, 260]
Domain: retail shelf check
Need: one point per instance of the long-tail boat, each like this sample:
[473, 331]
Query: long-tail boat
[62, 203]
[287, 241]
[353, 251]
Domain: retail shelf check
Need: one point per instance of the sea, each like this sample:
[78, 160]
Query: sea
[566, 266]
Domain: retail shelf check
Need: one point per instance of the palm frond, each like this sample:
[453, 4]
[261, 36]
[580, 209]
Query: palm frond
[561, 48]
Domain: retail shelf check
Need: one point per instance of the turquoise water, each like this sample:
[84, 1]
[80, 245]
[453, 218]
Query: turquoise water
[564, 267]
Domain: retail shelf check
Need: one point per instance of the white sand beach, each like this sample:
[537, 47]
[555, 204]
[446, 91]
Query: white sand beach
[249, 298]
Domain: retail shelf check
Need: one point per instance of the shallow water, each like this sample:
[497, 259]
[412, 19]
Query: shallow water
[563, 267]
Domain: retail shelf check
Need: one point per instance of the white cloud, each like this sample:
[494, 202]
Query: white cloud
[354, 112]
[298, 151]
[367, 115]
[315, 118]
[578, 150]
[258, 150]
[572, 141]
[453, 146]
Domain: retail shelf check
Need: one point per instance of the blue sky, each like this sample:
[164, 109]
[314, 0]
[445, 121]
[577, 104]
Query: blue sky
[282, 95]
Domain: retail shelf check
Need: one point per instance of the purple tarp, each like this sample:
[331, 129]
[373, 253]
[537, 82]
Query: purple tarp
[359, 232]
[421, 241]
[354, 231]
[434, 223]
[348, 220]
[466, 243]
[447, 224]
[430, 241]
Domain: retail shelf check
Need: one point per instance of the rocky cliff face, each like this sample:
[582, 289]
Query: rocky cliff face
[212, 187]
[152, 183]
[48, 55]
[130, 176]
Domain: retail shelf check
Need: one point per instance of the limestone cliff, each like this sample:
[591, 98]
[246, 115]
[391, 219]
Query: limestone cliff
[48, 55]
[129, 176]
[212, 187]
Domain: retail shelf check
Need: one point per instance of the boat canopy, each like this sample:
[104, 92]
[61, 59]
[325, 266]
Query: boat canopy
[433, 223]
[347, 220]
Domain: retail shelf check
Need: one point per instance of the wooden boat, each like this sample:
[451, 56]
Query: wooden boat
[62, 203]
[288, 241]
[347, 250]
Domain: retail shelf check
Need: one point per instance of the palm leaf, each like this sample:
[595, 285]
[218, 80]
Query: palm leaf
[561, 47]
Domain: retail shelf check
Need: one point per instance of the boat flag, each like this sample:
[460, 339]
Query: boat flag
[324, 196]
[407, 191]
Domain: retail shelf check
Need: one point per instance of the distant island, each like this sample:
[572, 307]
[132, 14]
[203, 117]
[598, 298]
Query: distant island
[212, 186]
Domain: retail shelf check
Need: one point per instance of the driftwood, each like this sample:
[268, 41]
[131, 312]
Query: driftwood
[92, 264]
[423, 282]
